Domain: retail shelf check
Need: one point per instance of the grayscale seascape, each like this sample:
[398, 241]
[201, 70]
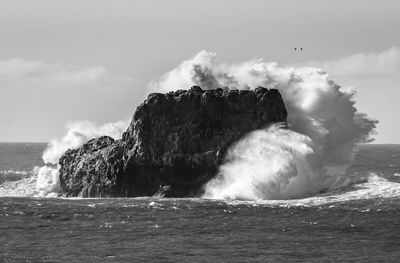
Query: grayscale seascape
[199, 131]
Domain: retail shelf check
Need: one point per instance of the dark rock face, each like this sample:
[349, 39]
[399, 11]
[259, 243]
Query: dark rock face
[176, 139]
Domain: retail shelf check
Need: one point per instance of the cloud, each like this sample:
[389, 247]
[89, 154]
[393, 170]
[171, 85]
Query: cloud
[40, 97]
[39, 73]
[17, 67]
[383, 64]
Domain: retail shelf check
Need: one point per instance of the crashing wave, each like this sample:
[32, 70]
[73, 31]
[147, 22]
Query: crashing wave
[313, 155]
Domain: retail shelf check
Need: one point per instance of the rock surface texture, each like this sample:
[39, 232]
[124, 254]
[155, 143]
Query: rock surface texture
[174, 144]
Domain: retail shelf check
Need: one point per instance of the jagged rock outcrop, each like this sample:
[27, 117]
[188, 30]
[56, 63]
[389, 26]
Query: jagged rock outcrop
[176, 141]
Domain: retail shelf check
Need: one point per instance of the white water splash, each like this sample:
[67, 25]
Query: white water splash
[77, 134]
[44, 181]
[274, 163]
[277, 163]
[47, 181]
[369, 188]
[80, 132]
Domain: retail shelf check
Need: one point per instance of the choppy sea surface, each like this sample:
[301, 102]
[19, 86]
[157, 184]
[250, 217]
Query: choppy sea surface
[360, 223]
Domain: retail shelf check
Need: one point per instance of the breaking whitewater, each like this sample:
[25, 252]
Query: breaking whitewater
[273, 163]
[316, 191]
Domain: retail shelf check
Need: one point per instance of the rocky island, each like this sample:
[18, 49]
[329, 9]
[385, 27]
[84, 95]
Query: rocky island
[174, 144]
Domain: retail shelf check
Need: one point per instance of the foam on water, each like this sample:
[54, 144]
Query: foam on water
[13, 175]
[371, 188]
[12, 172]
[40, 182]
[25, 187]
[375, 187]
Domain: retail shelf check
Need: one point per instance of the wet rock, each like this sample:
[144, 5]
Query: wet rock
[176, 139]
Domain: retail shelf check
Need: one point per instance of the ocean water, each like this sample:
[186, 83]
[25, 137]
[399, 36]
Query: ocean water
[360, 223]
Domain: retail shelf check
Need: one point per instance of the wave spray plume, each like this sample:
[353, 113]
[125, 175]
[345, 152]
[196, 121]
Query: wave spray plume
[312, 155]
[44, 181]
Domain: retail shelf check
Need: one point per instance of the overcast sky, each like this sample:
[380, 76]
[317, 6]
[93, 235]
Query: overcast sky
[91, 60]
